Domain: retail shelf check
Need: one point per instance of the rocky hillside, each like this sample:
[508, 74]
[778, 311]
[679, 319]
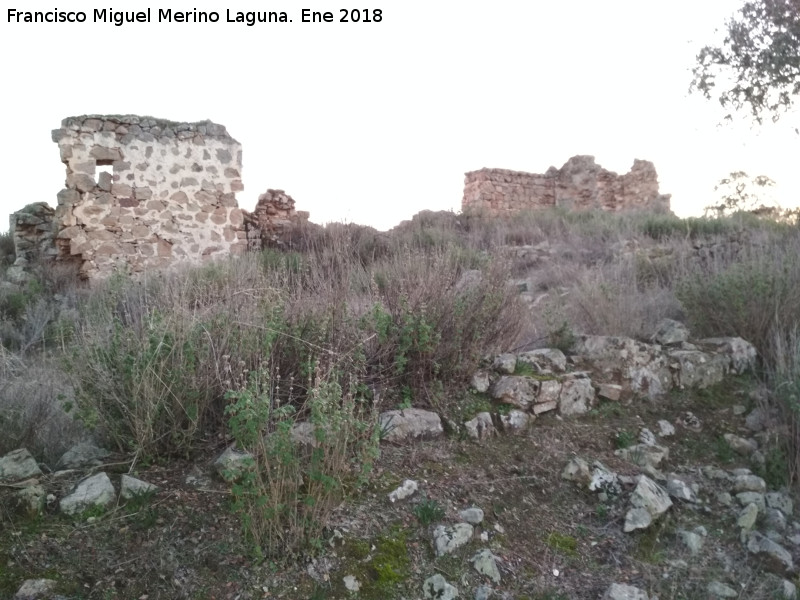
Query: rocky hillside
[562, 407]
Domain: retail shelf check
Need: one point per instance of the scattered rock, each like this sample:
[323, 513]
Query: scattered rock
[96, 490]
[436, 587]
[483, 592]
[643, 455]
[717, 589]
[789, 590]
[79, 456]
[740, 445]
[480, 427]
[28, 501]
[448, 539]
[637, 518]
[231, 464]
[35, 589]
[650, 496]
[621, 591]
[406, 489]
[410, 424]
[679, 490]
[647, 437]
[18, 465]
[692, 540]
[485, 563]
[665, 428]
[757, 420]
[131, 487]
[604, 481]
[577, 470]
[690, 421]
[777, 558]
[351, 583]
[303, 433]
[610, 391]
[515, 421]
[473, 515]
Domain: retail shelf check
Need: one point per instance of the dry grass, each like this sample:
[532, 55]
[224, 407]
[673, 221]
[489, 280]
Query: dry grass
[403, 311]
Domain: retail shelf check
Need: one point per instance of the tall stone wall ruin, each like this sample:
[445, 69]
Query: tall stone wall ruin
[579, 184]
[144, 193]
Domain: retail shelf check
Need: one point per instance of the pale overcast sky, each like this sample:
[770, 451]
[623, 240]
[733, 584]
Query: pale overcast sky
[373, 122]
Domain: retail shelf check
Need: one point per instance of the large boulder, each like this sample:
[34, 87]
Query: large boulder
[18, 465]
[648, 498]
[447, 540]
[410, 424]
[96, 490]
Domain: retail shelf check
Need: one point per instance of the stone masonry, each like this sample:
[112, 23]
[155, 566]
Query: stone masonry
[144, 193]
[579, 184]
[272, 221]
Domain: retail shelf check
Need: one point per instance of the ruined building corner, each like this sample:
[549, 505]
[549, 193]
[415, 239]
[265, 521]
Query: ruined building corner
[144, 193]
[580, 184]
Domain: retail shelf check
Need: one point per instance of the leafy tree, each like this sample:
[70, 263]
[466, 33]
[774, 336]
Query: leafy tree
[760, 57]
[740, 192]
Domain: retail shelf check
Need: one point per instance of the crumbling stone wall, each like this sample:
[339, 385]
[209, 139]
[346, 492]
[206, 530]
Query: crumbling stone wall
[273, 220]
[32, 230]
[168, 192]
[139, 192]
[579, 184]
[144, 193]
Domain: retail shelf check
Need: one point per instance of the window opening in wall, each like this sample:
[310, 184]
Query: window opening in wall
[104, 166]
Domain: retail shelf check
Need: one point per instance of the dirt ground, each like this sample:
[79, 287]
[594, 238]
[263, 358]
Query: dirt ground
[555, 540]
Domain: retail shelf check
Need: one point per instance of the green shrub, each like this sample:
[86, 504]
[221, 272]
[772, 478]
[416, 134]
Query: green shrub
[745, 299]
[284, 501]
[428, 511]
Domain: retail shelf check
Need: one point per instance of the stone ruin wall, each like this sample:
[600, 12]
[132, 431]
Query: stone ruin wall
[579, 184]
[273, 220]
[147, 193]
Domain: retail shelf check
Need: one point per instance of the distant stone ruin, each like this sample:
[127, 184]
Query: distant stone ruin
[579, 184]
[145, 193]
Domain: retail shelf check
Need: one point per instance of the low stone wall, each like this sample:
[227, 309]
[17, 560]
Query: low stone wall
[579, 184]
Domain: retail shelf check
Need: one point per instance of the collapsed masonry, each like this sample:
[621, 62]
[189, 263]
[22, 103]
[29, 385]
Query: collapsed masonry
[579, 184]
[145, 193]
